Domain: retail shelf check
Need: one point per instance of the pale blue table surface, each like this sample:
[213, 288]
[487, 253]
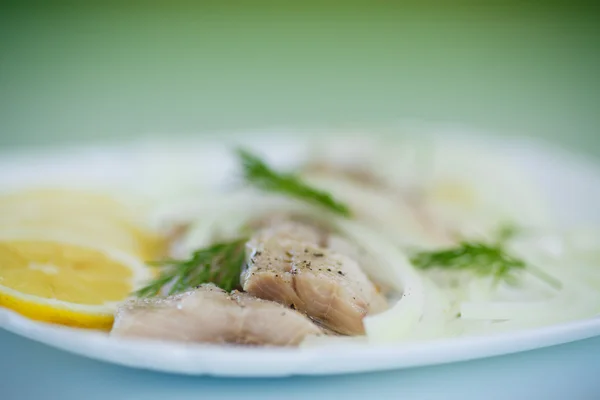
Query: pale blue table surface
[570, 371]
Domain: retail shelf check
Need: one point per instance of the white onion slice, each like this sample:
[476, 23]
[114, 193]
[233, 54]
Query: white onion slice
[397, 322]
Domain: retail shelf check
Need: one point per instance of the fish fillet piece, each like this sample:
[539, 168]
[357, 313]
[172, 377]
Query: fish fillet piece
[290, 226]
[211, 315]
[327, 286]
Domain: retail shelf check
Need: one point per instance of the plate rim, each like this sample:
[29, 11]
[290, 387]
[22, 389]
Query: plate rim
[275, 362]
[174, 357]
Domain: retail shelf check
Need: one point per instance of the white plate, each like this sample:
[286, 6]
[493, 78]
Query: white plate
[572, 184]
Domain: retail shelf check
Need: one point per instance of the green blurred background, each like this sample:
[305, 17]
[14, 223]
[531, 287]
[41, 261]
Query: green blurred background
[98, 71]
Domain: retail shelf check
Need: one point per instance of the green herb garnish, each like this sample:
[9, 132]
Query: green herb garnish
[259, 174]
[481, 258]
[220, 263]
[506, 232]
[484, 259]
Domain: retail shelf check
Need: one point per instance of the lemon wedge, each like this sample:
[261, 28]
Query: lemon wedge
[53, 278]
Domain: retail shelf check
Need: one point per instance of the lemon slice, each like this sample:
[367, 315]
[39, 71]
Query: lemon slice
[67, 199]
[54, 278]
[94, 216]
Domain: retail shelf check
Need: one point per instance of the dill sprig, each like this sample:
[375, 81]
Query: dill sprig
[262, 176]
[506, 232]
[220, 263]
[481, 258]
